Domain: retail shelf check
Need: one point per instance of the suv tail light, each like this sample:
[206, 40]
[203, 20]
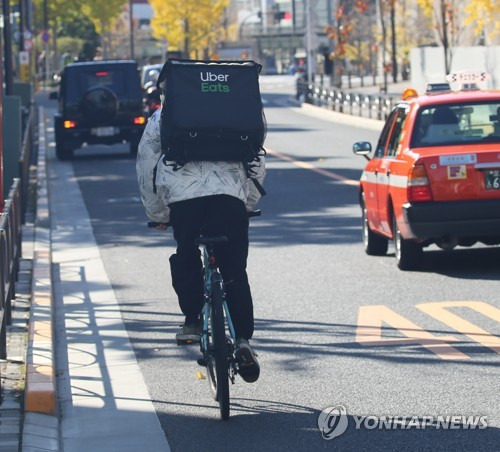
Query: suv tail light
[419, 188]
[139, 120]
[69, 124]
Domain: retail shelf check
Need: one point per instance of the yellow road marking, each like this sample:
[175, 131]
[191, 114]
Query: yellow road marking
[439, 312]
[370, 319]
[310, 167]
[369, 332]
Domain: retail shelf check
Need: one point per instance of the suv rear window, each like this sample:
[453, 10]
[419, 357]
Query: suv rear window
[469, 123]
[79, 81]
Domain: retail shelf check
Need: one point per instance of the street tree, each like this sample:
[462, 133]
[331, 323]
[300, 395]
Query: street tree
[484, 16]
[344, 33]
[57, 13]
[102, 14]
[445, 15]
[193, 26]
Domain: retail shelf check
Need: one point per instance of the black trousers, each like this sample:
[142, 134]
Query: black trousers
[212, 216]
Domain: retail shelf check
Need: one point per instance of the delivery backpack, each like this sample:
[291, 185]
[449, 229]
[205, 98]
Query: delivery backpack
[212, 110]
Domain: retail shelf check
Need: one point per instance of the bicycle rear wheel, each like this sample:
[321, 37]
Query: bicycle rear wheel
[220, 351]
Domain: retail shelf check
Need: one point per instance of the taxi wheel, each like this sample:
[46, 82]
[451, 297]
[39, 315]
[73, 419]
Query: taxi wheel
[408, 253]
[374, 244]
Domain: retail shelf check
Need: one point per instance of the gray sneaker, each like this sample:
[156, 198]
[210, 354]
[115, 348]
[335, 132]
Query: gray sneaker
[248, 365]
[189, 334]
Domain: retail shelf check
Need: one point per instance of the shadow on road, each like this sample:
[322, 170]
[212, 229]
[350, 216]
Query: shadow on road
[267, 424]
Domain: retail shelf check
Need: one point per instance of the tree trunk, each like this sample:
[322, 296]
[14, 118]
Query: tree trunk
[187, 50]
[54, 41]
[446, 44]
[393, 43]
[384, 42]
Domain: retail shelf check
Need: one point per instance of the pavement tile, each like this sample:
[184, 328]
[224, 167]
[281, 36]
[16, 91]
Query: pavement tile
[40, 430]
[41, 419]
[41, 442]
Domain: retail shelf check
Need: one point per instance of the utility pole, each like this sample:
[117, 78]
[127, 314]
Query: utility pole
[1, 139]
[46, 39]
[21, 24]
[7, 40]
[393, 42]
[381, 16]
[131, 22]
[263, 8]
[307, 4]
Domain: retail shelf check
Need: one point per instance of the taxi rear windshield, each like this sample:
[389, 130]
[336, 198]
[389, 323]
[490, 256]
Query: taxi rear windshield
[470, 123]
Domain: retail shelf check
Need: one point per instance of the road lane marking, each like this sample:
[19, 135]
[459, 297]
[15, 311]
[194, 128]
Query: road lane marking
[439, 311]
[308, 166]
[369, 332]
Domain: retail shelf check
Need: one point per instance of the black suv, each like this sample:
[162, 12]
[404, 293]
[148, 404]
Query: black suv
[100, 102]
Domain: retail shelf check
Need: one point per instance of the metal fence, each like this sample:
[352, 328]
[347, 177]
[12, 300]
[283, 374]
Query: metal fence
[374, 106]
[25, 160]
[11, 219]
[10, 253]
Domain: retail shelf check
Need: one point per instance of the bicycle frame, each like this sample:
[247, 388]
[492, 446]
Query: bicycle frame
[212, 276]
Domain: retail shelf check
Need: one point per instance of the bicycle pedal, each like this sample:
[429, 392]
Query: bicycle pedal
[202, 362]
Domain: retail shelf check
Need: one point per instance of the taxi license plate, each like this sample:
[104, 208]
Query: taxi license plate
[492, 179]
[103, 131]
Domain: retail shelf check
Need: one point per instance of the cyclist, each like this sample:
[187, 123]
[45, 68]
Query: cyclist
[210, 198]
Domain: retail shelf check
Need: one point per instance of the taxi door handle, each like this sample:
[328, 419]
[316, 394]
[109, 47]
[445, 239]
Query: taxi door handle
[388, 172]
[376, 172]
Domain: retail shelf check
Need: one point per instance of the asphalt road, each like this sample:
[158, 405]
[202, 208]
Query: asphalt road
[316, 295]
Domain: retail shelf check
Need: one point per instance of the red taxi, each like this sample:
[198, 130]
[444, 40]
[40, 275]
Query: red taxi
[434, 177]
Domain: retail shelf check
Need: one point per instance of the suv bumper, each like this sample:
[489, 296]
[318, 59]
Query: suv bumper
[460, 219]
[76, 136]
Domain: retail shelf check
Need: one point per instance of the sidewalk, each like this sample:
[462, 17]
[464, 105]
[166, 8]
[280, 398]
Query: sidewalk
[84, 390]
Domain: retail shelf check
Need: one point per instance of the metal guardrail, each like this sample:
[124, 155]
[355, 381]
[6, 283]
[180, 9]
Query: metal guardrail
[374, 106]
[11, 219]
[10, 254]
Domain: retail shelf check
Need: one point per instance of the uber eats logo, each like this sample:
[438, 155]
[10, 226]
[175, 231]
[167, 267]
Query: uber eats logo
[212, 83]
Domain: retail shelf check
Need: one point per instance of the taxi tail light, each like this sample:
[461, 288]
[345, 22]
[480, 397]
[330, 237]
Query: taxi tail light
[139, 120]
[69, 124]
[419, 188]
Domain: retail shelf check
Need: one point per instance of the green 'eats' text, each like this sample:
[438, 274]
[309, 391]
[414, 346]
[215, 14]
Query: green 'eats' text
[207, 87]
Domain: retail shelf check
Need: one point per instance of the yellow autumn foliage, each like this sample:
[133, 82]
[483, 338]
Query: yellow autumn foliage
[195, 24]
[483, 14]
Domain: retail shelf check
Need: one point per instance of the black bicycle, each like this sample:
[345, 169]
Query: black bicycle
[218, 338]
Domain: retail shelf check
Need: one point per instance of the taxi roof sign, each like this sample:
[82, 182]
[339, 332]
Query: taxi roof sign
[437, 87]
[467, 77]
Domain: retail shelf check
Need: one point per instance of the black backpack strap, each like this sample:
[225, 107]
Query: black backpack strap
[250, 174]
[258, 186]
[155, 170]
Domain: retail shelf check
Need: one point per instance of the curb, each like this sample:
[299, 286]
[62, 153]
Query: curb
[341, 118]
[40, 397]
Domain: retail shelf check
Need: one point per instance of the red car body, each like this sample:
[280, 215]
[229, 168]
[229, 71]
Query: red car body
[434, 176]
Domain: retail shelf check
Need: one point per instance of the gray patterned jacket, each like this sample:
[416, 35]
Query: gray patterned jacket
[193, 180]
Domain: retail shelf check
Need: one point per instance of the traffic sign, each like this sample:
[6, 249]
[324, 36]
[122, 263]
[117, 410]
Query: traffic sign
[24, 65]
[45, 37]
[28, 44]
[24, 73]
[24, 58]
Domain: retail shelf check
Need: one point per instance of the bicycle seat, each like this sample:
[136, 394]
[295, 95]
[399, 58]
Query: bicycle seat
[211, 240]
